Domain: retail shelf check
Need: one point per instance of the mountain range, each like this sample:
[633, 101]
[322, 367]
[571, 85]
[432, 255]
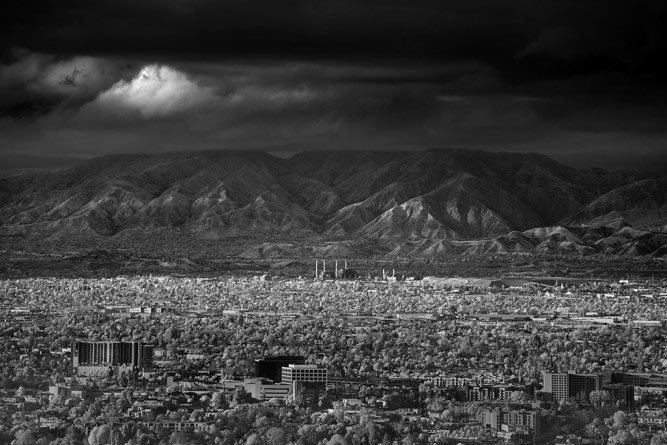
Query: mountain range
[421, 203]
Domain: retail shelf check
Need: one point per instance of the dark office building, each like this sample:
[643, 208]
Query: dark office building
[270, 367]
[640, 379]
[581, 385]
[621, 393]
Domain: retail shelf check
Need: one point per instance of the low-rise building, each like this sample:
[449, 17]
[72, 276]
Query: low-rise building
[304, 373]
[262, 389]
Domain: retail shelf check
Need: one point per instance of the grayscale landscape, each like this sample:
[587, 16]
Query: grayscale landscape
[333, 223]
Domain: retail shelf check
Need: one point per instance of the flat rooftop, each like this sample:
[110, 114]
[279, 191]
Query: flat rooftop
[293, 366]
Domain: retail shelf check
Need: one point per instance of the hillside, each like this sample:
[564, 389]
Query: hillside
[417, 203]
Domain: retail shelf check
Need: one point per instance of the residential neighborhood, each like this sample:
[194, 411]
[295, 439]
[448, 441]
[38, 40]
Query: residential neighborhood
[160, 359]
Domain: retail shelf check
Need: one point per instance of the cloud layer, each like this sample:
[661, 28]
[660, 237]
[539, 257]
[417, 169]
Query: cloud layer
[584, 81]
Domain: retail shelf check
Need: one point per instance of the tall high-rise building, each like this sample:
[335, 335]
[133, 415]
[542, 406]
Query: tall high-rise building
[112, 353]
[565, 385]
[556, 384]
[581, 385]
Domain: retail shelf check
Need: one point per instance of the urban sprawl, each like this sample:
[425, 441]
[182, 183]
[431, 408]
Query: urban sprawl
[333, 359]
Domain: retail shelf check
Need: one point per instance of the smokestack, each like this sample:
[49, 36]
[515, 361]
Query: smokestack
[316, 274]
[336, 276]
[345, 264]
[393, 272]
[324, 266]
[384, 275]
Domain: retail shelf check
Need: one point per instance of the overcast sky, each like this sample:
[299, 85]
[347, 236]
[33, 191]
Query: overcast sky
[584, 81]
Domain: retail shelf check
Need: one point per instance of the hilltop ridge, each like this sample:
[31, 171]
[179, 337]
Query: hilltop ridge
[417, 203]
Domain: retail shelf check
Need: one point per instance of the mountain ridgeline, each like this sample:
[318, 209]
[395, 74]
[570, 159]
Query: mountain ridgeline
[416, 203]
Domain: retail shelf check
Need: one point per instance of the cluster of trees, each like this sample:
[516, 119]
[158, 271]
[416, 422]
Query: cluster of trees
[622, 429]
[245, 424]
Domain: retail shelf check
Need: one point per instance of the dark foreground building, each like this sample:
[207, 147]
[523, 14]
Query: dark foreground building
[270, 367]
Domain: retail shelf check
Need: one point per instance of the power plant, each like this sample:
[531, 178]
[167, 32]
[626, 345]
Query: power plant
[336, 274]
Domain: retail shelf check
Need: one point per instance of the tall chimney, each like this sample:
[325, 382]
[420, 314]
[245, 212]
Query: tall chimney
[345, 264]
[336, 276]
[316, 274]
[324, 267]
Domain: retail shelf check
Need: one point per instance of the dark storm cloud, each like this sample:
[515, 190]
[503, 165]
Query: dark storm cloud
[576, 79]
[581, 34]
[257, 27]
